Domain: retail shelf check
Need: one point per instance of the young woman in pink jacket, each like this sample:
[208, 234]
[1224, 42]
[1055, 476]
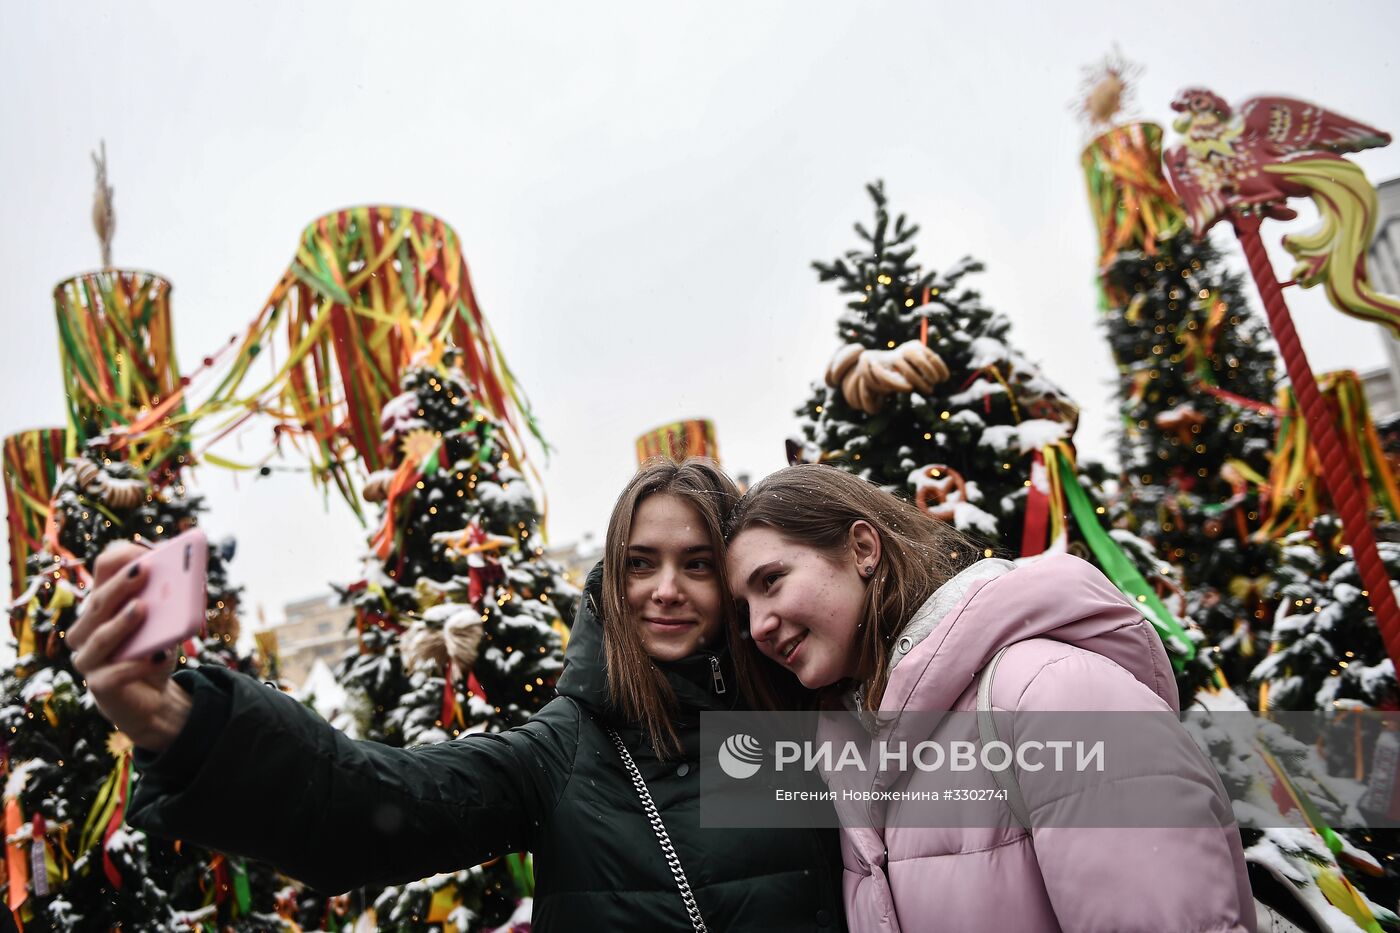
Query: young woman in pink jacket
[855, 590]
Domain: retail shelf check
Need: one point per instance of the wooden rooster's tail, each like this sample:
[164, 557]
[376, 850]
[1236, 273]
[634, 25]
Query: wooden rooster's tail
[1335, 252]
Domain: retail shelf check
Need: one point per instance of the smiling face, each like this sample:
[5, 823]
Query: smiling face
[804, 606]
[673, 588]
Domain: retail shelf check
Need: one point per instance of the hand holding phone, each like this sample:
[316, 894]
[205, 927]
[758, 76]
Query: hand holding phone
[143, 600]
[174, 595]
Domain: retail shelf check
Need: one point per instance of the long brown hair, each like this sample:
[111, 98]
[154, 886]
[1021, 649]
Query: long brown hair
[815, 505]
[636, 687]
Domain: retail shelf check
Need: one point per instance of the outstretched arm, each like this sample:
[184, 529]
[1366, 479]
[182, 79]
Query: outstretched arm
[278, 783]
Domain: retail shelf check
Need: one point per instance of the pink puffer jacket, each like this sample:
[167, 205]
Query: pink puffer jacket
[1077, 645]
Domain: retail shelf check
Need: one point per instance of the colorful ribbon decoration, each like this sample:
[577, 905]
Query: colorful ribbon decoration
[1339, 892]
[45, 865]
[1363, 442]
[451, 709]
[1045, 510]
[1199, 340]
[1116, 565]
[108, 811]
[1199, 347]
[1132, 204]
[118, 361]
[370, 290]
[522, 870]
[32, 462]
[229, 876]
[681, 439]
[1296, 492]
[419, 460]
[16, 861]
[445, 900]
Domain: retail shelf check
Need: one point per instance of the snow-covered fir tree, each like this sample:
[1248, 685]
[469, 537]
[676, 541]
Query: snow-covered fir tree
[1326, 650]
[461, 618]
[1326, 653]
[66, 764]
[955, 417]
[978, 411]
[1197, 375]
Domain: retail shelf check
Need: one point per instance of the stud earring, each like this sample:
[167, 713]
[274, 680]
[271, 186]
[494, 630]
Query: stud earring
[868, 569]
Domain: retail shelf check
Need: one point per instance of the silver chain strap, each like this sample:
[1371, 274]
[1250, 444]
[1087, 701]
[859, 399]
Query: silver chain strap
[673, 861]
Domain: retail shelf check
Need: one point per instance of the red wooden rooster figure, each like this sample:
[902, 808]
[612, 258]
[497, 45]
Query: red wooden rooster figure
[1278, 148]
[1245, 167]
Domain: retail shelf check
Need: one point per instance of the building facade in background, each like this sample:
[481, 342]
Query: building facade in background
[577, 559]
[317, 628]
[1383, 264]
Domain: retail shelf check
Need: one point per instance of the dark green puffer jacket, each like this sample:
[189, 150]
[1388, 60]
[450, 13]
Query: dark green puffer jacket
[257, 774]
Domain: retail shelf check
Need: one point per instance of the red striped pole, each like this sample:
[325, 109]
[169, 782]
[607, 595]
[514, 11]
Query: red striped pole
[1338, 473]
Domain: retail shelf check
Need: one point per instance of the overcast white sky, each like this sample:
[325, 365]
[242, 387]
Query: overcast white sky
[640, 189]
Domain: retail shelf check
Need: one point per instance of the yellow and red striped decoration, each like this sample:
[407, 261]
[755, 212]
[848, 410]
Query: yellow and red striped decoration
[117, 353]
[1296, 492]
[1132, 204]
[370, 291]
[693, 438]
[33, 460]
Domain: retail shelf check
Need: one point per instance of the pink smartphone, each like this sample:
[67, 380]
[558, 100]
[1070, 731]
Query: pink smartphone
[174, 595]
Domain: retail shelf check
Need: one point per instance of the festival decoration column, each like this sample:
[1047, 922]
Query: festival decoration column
[1196, 382]
[1336, 609]
[1244, 167]
[693, 438]
[69, 771]
[117, 355]
[376, 317]
[118, 361]
[368, 289]
[1133, 206]
[32, 461]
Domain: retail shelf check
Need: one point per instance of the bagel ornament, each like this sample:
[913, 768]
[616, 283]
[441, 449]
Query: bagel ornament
[116, 491]
[867, 378]
[457, 638]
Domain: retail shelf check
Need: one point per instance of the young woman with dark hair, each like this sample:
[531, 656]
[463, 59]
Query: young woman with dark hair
[602, 785]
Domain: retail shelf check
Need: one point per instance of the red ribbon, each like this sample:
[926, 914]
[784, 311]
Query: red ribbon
[476, 583]
[1037, 523]
[449, 698]
[923, 321]
[1240, 400]
[221, 885]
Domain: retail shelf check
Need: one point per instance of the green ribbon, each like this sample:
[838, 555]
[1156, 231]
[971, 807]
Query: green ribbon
[1121, 570]
[522, 870]
[241, 895]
